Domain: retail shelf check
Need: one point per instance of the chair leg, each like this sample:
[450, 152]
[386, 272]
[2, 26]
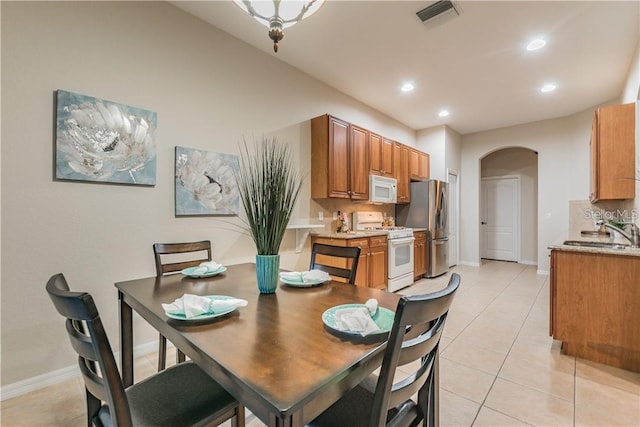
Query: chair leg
[162, 353]
[93, 406]
[238, 419]
[180, 357]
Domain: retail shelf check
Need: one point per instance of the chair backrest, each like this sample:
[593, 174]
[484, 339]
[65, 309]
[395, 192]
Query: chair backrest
[194, 250]
[349, 255]
[415, 335]
[95, 357]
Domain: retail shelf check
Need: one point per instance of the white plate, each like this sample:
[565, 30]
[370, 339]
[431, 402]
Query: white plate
[190, 272]
[298, 284]
[207, 315]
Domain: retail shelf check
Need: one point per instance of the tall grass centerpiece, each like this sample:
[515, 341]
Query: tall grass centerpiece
[269, 185]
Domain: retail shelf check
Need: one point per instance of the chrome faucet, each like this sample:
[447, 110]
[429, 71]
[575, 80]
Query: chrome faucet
[633, 238]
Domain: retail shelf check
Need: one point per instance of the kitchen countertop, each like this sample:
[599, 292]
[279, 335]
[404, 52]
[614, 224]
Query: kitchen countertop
[627, 251]
[350, 235]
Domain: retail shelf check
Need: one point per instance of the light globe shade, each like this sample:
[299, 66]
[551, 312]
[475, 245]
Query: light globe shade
[289, 11]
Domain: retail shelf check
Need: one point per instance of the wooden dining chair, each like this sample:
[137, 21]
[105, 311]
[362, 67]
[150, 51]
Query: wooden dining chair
[172, 258]
[348, 255]
[415, 336]
[182, 395]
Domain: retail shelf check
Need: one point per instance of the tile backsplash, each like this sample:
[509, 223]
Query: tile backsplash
[583, 214]
[329, 206]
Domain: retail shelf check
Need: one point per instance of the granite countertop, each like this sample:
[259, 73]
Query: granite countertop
[627, 251]
[350, 235]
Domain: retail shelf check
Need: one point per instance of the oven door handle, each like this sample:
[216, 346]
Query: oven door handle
[402, 241]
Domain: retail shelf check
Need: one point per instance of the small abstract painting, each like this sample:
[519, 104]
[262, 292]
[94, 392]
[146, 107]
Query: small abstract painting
[205, 183]
[103, 141]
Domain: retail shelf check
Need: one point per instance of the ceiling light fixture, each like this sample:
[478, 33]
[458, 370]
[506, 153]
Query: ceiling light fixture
[407, 87]
[443, 113]
[549, 87]
[279, 14]
[536, 44]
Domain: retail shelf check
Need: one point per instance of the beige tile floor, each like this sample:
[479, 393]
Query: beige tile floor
[498, 366]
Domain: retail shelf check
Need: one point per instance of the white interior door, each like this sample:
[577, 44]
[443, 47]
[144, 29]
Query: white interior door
[500, 218]
[452, 178]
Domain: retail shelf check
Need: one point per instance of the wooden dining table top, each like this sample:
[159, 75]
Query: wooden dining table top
[275, 355]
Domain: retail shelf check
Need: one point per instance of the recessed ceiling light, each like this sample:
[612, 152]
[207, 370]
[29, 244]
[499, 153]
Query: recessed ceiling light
[443, 113]
[549, 87]
[536, 44]
[407, 87]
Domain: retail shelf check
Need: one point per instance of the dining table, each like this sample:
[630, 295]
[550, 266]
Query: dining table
[276, 355]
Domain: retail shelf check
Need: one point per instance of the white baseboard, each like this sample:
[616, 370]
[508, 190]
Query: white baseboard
[527, 262]
[469, 263]
[60, 375]
[543, 272]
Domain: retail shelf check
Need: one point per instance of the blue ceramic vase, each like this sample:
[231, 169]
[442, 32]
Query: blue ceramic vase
[267, 269]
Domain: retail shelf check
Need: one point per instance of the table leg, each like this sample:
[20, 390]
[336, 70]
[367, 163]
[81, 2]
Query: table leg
[126, 341]
[436, 389]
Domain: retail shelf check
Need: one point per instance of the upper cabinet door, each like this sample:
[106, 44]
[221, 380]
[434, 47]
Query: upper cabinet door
[375, 154]
[338, 158]
[359, 163]
[418, 165]
[401, 159]
[613, 153]
[329, 157]
[387, 160]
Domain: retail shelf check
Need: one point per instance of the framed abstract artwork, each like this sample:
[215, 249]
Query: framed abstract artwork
[103, 141]
[205, 183]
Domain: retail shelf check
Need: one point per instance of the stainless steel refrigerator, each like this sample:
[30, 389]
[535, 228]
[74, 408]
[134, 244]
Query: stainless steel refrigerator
[429, 210]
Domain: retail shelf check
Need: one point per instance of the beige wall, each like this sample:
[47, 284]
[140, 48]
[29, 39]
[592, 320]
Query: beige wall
[443, 145]
[563, 174]
[563, 169]
[209, 91]
[523, 163]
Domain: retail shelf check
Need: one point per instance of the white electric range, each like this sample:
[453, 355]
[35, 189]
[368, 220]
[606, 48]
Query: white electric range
[399, 247]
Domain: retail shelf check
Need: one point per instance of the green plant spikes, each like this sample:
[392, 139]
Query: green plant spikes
[269, 185]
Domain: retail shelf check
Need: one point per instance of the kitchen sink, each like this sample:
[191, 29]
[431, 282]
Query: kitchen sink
[605, 245]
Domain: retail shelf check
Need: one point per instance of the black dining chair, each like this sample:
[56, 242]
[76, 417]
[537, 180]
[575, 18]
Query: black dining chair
[415, 336]
[180, 396]
[172, 258]
[347, 255]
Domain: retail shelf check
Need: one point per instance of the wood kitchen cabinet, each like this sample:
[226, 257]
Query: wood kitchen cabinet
[381, 156]
[594, 300]
[418, 165]
[372, 264]
[339, 159]
[419, 254]
[613, 153]
[401, 160]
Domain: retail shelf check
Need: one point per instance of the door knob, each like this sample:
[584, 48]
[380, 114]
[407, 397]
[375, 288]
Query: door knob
[483, 223]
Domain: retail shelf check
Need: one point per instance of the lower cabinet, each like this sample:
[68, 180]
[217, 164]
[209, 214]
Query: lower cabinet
[594, 306]
[419, 254]
[372, 265]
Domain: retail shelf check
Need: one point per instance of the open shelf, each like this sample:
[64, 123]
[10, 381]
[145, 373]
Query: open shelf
[302, 232]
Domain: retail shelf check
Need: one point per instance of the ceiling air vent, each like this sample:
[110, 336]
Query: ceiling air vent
[439, 8]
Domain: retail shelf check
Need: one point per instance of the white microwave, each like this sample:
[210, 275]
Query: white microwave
[382, 189]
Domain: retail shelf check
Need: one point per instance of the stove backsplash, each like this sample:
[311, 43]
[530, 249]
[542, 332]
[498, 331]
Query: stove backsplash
[330, 208]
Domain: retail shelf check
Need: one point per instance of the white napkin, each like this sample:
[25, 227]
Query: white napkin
[306, 276]
[357, 319]
[195, 305]
[207, 267]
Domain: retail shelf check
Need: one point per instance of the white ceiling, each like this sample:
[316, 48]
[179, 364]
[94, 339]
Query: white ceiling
[475, 64]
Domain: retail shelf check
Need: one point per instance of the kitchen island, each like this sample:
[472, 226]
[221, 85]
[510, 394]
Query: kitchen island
[595, 303]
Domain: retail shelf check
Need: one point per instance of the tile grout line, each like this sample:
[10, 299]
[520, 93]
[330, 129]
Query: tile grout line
[495, 378]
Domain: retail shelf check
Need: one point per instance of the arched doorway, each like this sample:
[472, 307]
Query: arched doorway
[509, 205]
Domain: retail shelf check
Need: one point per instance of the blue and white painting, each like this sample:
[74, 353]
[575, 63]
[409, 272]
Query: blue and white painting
[103, 141]
[205, 183]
